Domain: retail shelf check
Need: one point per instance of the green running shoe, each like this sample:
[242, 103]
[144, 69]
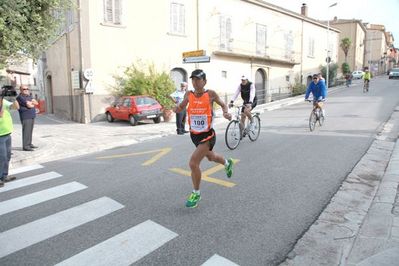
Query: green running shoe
[193, 200]
[229, 168]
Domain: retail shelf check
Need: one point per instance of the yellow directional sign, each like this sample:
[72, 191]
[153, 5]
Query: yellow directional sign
[205, 175]
[194, 53]
[158, 155]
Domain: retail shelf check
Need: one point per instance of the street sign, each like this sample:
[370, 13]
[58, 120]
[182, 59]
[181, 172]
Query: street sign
[197, 59]
[328, 59]
[88, 74]
[194, 53]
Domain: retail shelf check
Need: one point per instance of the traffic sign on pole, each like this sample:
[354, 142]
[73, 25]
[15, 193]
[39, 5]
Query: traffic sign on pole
[197, 59]
[194, 53]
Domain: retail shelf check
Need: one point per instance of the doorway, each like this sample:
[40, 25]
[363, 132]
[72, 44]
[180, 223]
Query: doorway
[260, 85]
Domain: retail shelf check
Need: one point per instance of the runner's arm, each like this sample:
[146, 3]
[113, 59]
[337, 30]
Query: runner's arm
[215, 98]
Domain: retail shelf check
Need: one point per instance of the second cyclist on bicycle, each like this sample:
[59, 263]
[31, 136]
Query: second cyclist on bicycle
[319, 92]
[247, 91]
[366, 78]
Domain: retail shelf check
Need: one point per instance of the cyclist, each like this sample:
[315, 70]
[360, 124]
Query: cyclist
[247, 90]
[200, 117]
[366, 76]
[319, 92]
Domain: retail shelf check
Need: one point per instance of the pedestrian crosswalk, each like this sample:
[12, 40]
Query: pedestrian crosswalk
[124, 248]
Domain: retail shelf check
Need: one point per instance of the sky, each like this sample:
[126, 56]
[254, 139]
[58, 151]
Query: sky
[383, 12]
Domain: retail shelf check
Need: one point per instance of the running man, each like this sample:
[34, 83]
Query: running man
[200, 118]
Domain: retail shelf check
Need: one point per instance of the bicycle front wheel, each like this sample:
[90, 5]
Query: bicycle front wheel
[321, 117]
[254, 134]
[233, 134]
[312, 121]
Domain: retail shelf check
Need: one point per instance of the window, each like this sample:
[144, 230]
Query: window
[289, 45]
[261, 38]
[177, 18]
[311, 47]
[225, 33]
[113, 12]
[126, 102]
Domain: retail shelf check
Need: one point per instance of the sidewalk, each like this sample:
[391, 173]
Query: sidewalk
[360, 226]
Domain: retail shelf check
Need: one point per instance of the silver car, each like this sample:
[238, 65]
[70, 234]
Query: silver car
[394, 73]
[358, 74]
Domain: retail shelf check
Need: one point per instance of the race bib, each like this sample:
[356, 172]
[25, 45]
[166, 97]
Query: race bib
[199, 122]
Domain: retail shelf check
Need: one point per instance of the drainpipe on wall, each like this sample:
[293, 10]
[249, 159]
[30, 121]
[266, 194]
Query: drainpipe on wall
[68, 55]
[301, 73]
[197, 14]
[82, 102]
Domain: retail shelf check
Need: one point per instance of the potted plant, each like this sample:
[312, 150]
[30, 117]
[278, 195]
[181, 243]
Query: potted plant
[139, 79]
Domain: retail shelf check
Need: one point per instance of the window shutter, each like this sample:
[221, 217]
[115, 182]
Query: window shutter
[177, 18]
[228, 33]
[108, 11]
[181, 20]
[261, 37]
[222, 24]
[117, 11]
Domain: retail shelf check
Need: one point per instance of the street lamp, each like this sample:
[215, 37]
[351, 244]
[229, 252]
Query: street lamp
[328, 43]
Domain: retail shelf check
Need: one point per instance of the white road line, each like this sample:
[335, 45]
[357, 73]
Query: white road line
[29, 181]
[31, 233]
[124, 248]
[24, 169]
[39, 197]
[217, 260]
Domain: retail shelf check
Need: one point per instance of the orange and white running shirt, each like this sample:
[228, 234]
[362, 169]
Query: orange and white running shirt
[199, 113]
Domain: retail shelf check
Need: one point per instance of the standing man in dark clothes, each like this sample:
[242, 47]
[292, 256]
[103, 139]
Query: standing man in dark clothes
[27, 114]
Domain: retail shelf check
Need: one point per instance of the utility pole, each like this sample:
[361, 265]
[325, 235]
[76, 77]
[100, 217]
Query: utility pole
[328, 59]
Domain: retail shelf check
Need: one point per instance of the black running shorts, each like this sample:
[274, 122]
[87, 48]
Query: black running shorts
[204, 137]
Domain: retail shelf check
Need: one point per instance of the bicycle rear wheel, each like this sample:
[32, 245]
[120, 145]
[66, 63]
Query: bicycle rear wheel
[312, 121]
[232, 135]
[254, 134]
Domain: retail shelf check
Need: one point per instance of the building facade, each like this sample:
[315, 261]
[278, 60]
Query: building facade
[275, 47]
[377, 45]
[356, 32]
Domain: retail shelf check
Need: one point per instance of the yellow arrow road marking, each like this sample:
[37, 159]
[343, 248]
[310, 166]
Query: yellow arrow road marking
[160, 153]
[205, 176]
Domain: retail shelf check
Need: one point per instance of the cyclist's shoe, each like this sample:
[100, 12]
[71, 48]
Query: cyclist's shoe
[193, 199]
[229, 168]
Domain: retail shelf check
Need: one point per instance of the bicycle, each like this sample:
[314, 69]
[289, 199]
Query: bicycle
[316, 116]
[366, 85]
[235, 132]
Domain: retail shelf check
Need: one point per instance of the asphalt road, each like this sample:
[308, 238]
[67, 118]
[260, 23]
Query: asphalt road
[281, 183]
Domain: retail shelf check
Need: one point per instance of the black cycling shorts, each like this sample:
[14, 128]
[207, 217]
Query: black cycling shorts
[204, 137]
[252, 105]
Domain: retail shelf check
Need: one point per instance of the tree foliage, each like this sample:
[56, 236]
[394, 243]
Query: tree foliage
[27, 26]
[345, 68]
[345, 46]
[142, 79]
[332, 72]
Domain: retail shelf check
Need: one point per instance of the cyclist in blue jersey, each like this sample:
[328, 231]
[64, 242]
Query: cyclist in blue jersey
[318, 90]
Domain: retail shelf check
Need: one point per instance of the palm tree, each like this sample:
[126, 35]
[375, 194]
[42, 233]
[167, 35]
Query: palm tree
[345, 45]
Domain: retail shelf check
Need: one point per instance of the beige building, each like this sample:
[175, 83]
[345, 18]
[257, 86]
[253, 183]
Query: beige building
[356, 32]
[377, 45]
[275, 47]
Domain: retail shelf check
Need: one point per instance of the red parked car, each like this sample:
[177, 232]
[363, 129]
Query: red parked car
[134, 109]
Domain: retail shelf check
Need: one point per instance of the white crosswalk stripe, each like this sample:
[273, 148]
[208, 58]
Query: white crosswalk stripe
[24, 169]
[39, 197]
[31, 233]
[29, 181]
[124, 248]
[217, 260]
